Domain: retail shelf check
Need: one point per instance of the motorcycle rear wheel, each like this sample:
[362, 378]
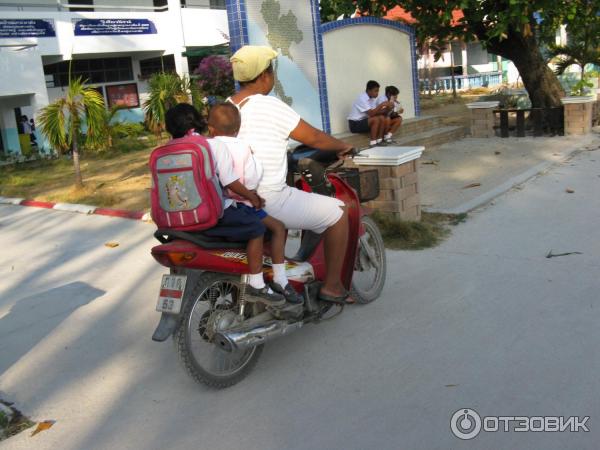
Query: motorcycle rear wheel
[367, 287]
[212, 304]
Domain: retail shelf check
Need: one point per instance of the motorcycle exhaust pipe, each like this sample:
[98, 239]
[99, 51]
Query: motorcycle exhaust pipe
[243, 338]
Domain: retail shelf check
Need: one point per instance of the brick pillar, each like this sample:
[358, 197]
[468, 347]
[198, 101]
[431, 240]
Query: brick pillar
[578, 115]
[399, 190]
[482, 119]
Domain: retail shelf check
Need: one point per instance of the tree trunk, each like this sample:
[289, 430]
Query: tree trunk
[542, 85]
[78, 180]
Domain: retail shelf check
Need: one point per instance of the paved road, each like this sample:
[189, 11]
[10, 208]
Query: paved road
[484, 321]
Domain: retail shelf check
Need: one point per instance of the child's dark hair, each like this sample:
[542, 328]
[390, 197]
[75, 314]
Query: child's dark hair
[225, 118]
[372, 84]
[391, 91]
[182, 118]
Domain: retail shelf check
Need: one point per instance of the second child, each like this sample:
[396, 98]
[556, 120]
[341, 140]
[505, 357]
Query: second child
[183, 121]
[223, 125]
[394, 115]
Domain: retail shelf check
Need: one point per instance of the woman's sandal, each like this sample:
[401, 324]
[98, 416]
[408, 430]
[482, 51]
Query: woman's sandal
[343, 299]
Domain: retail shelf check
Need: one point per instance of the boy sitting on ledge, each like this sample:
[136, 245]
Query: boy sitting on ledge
[370, 116]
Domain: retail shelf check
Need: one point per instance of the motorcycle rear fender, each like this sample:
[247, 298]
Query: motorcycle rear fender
[166, 327]
[184, 254]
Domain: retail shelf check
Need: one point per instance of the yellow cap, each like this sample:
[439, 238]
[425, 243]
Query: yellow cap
[250, 61]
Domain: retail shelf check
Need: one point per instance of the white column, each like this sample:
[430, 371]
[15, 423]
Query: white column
[465, 60]
[8, 123]
[38, 101]
[178, 39]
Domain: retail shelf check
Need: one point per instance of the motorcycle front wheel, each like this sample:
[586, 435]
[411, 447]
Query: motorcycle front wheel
[212, 306]
[370, 268]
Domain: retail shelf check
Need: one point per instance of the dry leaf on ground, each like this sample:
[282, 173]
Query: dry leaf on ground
[111, 244]
[43, 426]
[472, 185]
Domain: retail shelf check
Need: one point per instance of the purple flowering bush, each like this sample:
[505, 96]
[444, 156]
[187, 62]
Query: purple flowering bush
[215, 76]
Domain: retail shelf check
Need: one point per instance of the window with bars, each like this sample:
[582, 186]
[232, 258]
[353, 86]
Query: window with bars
[212, 4]
[81, 2]
[151, 66]
[92, 71]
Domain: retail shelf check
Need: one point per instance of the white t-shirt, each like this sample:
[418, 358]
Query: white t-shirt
[245, 166]
[360, 107]
[223, 165]
[397, 105]
[266, 126]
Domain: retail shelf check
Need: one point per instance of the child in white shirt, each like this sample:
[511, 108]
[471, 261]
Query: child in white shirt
[223, 125]
[393, 114]
[185, 124]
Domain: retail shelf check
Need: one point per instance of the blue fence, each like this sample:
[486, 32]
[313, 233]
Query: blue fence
[484, 79]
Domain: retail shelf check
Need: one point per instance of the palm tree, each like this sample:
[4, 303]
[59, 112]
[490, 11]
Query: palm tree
[581, 50]
[166, 90]
[64, 121]
[110, 126]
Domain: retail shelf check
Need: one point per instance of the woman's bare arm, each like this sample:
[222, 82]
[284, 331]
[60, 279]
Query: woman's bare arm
[309, 135]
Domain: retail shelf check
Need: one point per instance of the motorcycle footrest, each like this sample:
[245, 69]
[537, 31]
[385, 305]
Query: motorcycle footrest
[288, 311]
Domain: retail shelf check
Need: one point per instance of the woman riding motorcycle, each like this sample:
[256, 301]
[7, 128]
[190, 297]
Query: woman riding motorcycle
[267, 125]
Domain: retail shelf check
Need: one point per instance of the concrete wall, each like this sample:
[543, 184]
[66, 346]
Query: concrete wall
[22, 81]
[201, 27]
[27, 5]
[29, 93]
[359, 53]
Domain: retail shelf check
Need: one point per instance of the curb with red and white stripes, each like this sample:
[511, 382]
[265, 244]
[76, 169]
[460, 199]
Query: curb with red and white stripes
[81, 209]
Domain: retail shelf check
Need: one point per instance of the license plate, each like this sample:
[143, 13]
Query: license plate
[172, 288]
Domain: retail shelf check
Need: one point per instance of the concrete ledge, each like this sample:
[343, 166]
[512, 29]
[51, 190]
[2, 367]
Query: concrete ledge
[388, 156]
[490, 195]
[482, 105]
[576, 100]
[83, 209]
[10, 201]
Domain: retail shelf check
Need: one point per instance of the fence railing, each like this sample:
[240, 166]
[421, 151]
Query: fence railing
[484, 79]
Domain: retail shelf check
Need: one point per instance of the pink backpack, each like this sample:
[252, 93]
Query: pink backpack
[185, 194]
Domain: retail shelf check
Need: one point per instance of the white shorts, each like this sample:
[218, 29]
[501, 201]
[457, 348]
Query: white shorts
[300, 210]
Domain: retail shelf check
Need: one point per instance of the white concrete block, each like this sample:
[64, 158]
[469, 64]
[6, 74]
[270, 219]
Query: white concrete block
[11, 200]
[82, 209]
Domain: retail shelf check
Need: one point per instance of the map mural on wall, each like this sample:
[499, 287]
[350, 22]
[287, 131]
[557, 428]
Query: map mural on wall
[287, 27]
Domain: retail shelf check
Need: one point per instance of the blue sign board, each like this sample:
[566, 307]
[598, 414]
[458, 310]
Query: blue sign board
[26, 28]
[110, 27]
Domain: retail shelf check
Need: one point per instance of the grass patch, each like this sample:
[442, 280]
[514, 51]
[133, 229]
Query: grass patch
[437, 100]
[9, 426]
[89, 194]
[118, 178]
[409, 235]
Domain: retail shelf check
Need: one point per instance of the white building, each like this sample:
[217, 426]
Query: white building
[115, 44]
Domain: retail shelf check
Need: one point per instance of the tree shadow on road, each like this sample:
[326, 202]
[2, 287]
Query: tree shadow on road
[33, 318]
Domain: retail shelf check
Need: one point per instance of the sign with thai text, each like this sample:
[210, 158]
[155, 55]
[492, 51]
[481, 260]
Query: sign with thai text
[25, 28]
[110, 27]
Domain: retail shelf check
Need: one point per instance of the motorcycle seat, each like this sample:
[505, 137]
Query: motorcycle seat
[165, 236]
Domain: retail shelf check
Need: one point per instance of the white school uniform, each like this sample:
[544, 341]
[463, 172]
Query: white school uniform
[360, 107]
[266, 126]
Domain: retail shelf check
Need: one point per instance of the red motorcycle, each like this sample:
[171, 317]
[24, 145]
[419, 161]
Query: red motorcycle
[218, 335]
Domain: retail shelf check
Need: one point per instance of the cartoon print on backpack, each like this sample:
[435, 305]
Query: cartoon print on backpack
[177, 193]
